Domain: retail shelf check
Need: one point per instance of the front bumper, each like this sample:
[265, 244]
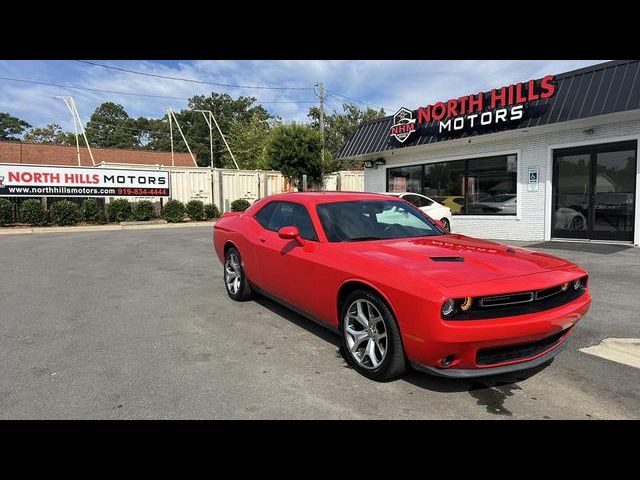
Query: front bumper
[428, 346]
[484, 372]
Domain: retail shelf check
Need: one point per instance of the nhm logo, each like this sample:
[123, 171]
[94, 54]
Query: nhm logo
[403, 125]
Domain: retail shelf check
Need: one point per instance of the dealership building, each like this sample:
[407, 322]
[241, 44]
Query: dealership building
[548, 158]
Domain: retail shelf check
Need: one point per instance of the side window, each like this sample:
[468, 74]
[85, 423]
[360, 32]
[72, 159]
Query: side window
[424, 202]
[263, 217]
[287, 214]
[413, 199]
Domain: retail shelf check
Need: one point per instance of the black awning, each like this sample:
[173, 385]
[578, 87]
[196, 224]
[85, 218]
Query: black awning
[601, 89]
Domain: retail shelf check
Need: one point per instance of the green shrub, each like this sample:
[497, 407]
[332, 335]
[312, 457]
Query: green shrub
[90, 211]
[174, 211]
[240, 205]
[34, 213]
[143, 211]
[211, 211]
[6, 211]
[65, 213]
[119, 211]
[195, 210]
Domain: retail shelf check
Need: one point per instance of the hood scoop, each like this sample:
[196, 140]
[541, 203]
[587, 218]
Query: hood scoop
[447, 259]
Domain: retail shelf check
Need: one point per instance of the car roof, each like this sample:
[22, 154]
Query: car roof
[325, 196]
[397, 194]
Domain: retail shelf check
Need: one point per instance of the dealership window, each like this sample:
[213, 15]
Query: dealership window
[476, 186]
[405, 179]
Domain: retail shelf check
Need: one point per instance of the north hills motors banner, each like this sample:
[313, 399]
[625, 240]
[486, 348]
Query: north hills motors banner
[41, 181]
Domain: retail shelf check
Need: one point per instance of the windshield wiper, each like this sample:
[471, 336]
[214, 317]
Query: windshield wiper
[358, 239]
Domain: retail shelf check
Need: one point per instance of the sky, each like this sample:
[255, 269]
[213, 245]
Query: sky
[378, 83]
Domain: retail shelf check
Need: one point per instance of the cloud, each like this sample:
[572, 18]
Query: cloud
[386, 83]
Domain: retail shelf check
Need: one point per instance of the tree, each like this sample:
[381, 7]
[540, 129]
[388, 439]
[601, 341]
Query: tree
[339, 127]
[52, 134]
[111, 127]
[154, 135]
[230, 114]
[10, 126]
[295, 150]
[247, 140]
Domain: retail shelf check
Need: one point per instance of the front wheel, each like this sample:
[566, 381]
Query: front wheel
[235, 280]
[370, 337]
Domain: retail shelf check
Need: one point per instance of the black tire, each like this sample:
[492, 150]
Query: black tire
[244, 291]
[447, 225]
[393, 363]
[577, 223]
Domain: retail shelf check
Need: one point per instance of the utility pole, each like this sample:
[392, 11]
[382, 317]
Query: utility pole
[71, 105]
[211, 120]
[173, 161]
[321, 87]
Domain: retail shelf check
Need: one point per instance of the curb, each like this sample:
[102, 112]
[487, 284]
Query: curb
[102, 228]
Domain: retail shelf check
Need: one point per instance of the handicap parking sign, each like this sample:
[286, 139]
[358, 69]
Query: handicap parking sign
[533, 178]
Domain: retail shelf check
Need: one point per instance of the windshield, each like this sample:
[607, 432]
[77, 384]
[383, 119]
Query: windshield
[362, 220]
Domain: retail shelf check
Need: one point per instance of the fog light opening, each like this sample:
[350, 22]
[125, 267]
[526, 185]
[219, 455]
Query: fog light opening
[448, 360]
[466, 304]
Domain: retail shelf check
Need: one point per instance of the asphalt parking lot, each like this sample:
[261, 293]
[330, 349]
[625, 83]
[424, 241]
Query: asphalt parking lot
[137, 325]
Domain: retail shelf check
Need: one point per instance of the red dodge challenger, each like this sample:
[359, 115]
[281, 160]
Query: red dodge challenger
[398, 288]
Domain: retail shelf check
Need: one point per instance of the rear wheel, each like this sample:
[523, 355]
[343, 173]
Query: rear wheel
[446, 224]
[370, 337]
[235, 280]
[577, 223]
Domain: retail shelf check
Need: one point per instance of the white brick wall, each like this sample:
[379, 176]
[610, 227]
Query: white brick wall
[532, 149]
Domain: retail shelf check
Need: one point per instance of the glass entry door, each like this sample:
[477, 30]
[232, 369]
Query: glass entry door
[594, 192]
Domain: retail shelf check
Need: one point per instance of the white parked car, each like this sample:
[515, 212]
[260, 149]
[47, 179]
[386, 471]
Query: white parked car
[435, 210]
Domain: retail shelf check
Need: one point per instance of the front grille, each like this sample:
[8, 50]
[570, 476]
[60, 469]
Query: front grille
[511, 299]
[518, 303]
[548, 292]
[509, 353]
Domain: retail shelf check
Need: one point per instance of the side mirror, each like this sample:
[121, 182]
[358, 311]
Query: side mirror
[440, 224]
[291, 233]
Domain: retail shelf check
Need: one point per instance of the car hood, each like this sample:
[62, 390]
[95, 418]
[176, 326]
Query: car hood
[482, 260]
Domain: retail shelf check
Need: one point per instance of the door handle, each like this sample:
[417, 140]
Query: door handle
[262, 239]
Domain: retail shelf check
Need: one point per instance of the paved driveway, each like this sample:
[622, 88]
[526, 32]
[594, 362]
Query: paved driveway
[137, 324]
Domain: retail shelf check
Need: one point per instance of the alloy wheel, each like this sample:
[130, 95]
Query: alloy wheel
[232, 273]
[366, 334]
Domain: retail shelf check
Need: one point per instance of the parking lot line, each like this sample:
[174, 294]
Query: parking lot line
[621, 350]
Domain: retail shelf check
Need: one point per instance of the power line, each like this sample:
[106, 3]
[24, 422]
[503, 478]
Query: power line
[132, 129]
[341, 102]
[192, 80]
[75, 87]
[333, 93]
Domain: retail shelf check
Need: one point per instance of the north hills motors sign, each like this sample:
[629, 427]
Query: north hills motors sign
[45, 181]
[500, 106]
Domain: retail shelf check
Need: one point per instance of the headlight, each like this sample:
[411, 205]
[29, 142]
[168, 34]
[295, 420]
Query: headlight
[448, 307]
[577, 284]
